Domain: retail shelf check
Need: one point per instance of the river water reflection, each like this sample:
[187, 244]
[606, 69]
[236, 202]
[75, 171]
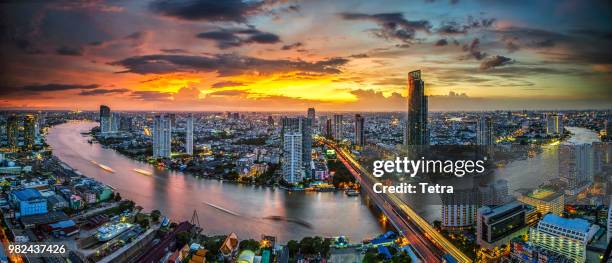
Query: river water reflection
[247, 207]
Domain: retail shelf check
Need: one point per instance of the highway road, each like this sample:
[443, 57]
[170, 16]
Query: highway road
[429, 244]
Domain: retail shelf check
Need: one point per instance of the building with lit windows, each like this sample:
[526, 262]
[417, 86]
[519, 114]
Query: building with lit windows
[337, 128]
[459, 209]
[484, 131]
[498, 225]
[415, 131]
[292, 165]
[105, 119]
[545, 200]
[29, 131]
[29, 202]
[312, 116]
[304, 127]
[12, 132]
[189, 135]
[567, 237]
[162, 136]
[359, 130]
[554, 124]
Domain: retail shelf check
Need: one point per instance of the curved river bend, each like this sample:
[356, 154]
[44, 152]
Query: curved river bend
[246, 210]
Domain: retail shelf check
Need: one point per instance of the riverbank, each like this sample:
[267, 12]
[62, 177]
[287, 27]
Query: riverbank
[178, 194]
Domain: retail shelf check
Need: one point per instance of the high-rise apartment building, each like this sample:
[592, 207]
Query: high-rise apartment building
[292, 165]
[459, 209]
[312, 116]
[576, 167]
[105, 119]
[162, 136]
[554, 124]
[337, 129]
[359, 130]
[415, 131]
[189, 135]
[567, 237]
[484, 131]
[303, 126]
[115, 121]
[12, 132]
[29, 131]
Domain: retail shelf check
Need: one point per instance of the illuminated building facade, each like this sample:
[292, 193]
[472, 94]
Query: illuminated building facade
[359, 130]
[162, 136]
[567, 237]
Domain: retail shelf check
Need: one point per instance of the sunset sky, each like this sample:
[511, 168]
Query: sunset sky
[278, 55]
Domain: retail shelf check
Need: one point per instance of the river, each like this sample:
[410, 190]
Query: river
[244, 207]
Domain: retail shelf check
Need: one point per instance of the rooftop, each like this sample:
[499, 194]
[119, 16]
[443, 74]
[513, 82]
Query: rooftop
[575, 224]
[27, 194]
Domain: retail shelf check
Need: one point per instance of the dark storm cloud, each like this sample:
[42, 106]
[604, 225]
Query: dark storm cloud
[69, 51]
[57, 87]
[393, 26]
[473, 50]
[292, 46]
[226, 38]
[441, 42]
[456, 28]
[224, 64]
[36, 89]
[223, 84]
[206, 10]
[579, 46]
[102, 92]
[495, 61]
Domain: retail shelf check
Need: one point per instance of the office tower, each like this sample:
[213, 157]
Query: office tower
[544, 199]
[484, 131]
[554, 124]
[459, 209]
[12, 132]
[29, 131]
[328, 129]
[189, 135]
[415, 130]
[304, 127]
[359, 130]
[162, 136]
[337, 131]
[311, 115]
[497, 225]
[172, 117]
[115, 121]
[293, 168]
[105, 119]
[322, 125]
[125, 123]
[567, 237]
[576, 167]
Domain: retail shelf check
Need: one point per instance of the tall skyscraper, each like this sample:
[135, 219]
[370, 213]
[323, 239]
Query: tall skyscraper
[567, 237]
[359, 130]
[554, 124]
[322, 125]
[415, 131]
[189, 135]
[576, 167]
[328, 129]
[484, 131]
[337, 129]
[293, 168]
[125, 123]
[312, 116]
[29, 131]
[115, 121]
[12, 132]
[105, 119]
[162, 136]
[303, 126]
[459, 209]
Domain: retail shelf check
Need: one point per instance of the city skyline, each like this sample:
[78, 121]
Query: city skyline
[271, 56]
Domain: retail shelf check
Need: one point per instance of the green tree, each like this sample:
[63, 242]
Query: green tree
[293, 247]
[117, 197]
[249, 244]
[182, 238]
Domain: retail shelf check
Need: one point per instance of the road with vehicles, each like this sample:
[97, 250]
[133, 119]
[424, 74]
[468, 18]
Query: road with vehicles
[429, 244]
